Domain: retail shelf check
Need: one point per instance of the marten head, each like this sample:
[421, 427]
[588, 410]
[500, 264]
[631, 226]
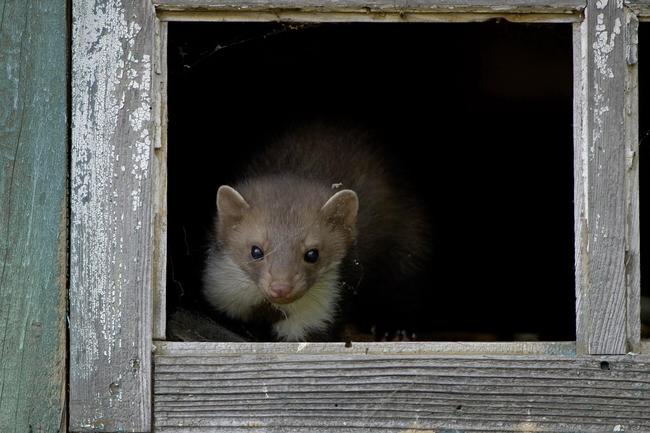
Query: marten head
[286, 235]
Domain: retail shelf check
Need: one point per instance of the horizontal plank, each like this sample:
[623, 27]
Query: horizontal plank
[509, 6]
[458, 428]
[365, 17]
[171, 348]
[369, 11]
[327, 387]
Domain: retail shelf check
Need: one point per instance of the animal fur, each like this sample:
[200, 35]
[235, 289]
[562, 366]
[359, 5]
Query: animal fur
[317, 188]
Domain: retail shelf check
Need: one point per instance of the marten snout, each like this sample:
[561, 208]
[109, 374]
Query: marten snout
[280, 292]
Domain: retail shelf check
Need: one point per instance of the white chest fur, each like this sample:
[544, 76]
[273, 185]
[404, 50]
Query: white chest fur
[227, 288]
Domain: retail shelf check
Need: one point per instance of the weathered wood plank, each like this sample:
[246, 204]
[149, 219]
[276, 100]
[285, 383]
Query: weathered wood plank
[369, 6]
[318, 388]
[111, 219]
[600, 173]
[171, 348]
[160, 183]
[302, 16]
[33, 173]
[369, 11]
[632, 235]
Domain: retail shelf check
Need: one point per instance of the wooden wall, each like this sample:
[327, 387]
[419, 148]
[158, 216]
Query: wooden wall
[33, 179]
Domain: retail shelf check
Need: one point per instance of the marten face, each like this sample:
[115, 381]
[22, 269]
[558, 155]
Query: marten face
[286, 245]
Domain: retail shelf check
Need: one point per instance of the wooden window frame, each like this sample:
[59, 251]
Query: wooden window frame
[117, 250]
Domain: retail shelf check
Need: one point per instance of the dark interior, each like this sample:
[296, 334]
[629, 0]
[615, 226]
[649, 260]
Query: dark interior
[479, 115]
[644, 160]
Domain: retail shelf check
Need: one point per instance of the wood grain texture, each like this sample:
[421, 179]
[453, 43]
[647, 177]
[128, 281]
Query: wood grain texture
[632, 236]
[33, 177]
[600, 173]
[368, 11]
[511, 6]
[111, 220]
[172, 348]
[160, 182]
[306, 388]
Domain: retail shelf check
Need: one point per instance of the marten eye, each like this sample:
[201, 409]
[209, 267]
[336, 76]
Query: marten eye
[311, 256]
[257, 253]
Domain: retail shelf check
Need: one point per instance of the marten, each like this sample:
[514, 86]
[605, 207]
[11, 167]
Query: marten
[314, 203]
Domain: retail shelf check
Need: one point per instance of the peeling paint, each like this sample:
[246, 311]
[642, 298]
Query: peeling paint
[603, 45]
[100, 70]
[111, 152]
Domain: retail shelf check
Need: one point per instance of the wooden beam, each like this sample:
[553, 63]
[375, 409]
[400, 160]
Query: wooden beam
[171, 348]
[368, 11]
[320, 387]
[33, 211]
[111, 220]
[160, 182]
[600, 180]
[380, 6]
[632, 222]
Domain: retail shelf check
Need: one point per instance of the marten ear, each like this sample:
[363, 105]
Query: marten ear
[231, 206]
[342, 207]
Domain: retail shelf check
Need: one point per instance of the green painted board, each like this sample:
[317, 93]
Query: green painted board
[33, 181]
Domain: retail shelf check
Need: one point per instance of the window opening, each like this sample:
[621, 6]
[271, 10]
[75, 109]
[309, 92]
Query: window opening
[479, 116]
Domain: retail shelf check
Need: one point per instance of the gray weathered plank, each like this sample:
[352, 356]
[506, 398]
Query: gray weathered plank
[506, 6]
[600, 175]
[369, 10]
[632, 235]
[111, 219]
[367, 348]
[33, 173]
[315, 387]
[160, 183]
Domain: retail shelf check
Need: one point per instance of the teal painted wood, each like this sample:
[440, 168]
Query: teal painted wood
[33, 173]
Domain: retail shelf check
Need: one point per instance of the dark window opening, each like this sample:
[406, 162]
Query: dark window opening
[644, 181]
[479, 115]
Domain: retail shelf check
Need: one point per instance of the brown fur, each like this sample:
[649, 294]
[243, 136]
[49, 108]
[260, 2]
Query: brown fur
[282, 209]
[285, 219]
[392, 228]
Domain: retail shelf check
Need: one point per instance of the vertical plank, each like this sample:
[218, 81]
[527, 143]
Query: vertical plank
[160, 183]
[111, 221]
[632, 244]
[33, 167]
[600, 191]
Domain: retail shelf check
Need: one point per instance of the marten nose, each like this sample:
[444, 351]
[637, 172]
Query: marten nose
[279, 290]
